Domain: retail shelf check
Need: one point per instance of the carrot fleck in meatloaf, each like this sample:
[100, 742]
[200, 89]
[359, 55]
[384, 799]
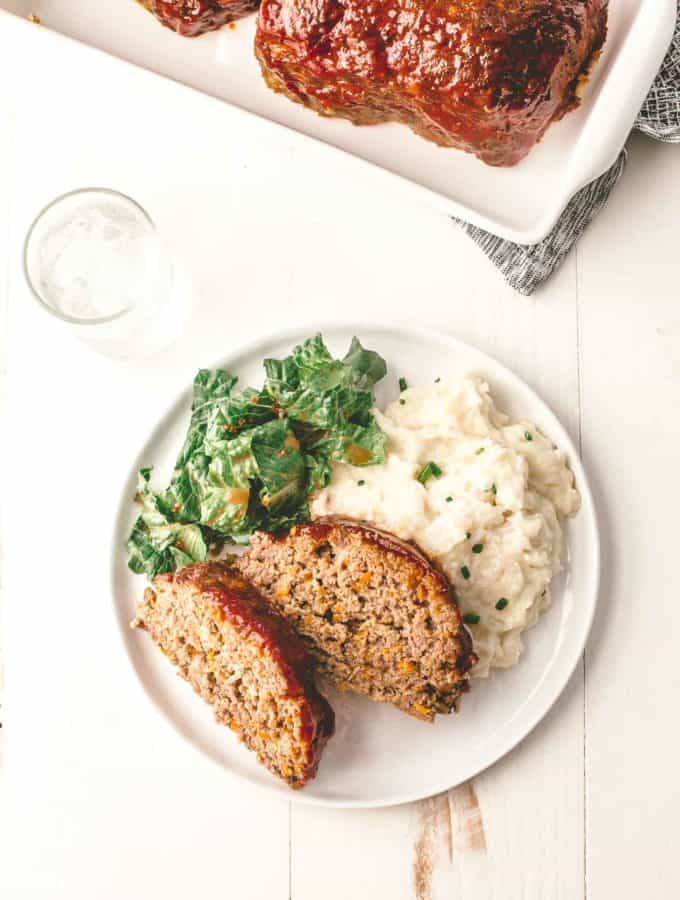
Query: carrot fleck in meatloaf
[375, 613]
[486, 76]
[193, 17]
[244, 660]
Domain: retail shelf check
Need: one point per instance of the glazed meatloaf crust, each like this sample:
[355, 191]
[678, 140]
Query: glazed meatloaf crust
[486, 76]
[244, 660]
[193, 17]
[376, 615]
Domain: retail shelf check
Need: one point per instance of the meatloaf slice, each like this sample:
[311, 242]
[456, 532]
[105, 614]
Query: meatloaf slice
[486, 76]
[375, 613]
[244, 660]
[193, 17]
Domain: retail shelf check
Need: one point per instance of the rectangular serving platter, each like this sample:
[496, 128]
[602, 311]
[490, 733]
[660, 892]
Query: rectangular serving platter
[521, 203]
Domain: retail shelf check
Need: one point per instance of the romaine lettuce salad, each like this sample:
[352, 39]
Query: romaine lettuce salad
[252, 458]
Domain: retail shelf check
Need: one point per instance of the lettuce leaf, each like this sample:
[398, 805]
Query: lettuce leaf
[368, 366]
[158, 544]
[211, 388]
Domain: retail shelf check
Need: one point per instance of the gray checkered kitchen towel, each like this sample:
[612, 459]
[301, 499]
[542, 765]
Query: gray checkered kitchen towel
[526, 267]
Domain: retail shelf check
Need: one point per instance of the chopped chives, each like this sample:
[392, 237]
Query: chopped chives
[402, 402]
[465, 572]
[471, 619]
[437, 380]
[528, 435]
[361, 482]
[449, 499]
[493, 489]
[402, 384]
[428, 471]
[477, 548]
[481, 450]
[502, 603]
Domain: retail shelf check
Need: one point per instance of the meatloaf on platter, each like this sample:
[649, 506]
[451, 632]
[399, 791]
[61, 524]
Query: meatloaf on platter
[485, 76]
[193, 17]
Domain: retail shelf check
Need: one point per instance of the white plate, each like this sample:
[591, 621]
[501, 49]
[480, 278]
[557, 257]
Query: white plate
[521, 203]
[380, 756]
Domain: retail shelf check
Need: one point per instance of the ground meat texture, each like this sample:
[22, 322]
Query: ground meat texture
[193, 17]
[486, 76]
[244, 660]
[375, 613]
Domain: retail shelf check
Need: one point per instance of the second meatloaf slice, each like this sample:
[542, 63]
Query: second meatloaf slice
[244, 660]
[375, 613]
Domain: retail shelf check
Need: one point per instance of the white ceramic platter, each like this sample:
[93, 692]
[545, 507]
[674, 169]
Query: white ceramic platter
[521, 203]
[380, 756]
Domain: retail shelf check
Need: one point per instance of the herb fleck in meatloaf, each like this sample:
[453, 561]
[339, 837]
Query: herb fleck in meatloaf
[486, 76]
[193, 17]
[244, 660]
[375, 613]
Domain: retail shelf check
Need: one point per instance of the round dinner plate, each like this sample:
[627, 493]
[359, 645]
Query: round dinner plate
[380, 756]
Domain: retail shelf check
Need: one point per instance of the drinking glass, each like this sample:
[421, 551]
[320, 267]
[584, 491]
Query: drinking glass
[93, 259]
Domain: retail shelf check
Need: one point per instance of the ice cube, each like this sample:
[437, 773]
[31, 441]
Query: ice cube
[98, 260]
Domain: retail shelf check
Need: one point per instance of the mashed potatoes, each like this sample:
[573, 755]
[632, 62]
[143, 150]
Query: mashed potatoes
[489, 514]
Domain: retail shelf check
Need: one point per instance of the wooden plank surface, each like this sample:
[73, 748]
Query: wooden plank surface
[574, 811]
[7, 173]
[629, 309]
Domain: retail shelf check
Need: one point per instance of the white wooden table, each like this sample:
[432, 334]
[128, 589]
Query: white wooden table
[103, 800]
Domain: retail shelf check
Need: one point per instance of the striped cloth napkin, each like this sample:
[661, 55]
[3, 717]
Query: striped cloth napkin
[526, 267]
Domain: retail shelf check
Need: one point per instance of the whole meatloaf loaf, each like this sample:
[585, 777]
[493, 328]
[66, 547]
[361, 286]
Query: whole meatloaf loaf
[193, 17]
[377, 616]
[244, 660]
[486, 76]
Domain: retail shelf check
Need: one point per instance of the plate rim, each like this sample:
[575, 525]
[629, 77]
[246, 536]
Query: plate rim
[517, 733]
